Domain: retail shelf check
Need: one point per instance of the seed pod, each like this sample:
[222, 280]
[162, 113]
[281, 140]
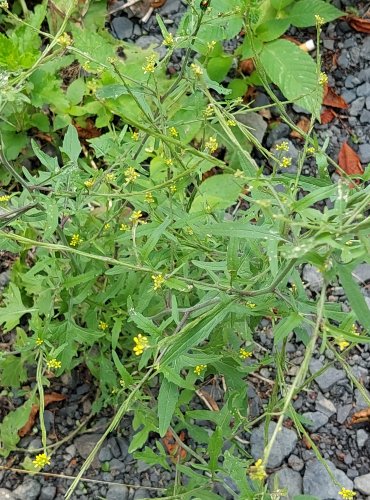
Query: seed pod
[204, 4]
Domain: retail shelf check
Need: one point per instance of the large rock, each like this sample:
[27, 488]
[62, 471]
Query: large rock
[317, 481]
[255, 123]
[328, 378]
[28, 490]
[84, 446]
[117, 492]
[284, 444]
[288, 479]
[362, 484]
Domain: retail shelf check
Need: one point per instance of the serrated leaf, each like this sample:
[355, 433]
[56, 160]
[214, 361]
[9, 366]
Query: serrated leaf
[14, 308]
[294, 72]
[10, 426]
[167, 400]
[303, 12]
[149, 457]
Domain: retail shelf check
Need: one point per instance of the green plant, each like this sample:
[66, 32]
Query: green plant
[128, 265]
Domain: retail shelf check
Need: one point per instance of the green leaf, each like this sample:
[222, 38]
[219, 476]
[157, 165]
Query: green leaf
[111, 91]
[286, 327]
[11, 424]
[355, 297]
[71, 144]
[294, 72]
[302, 13]
[237, 230]
[167, 400]
[214, 448]
[14, 308]
[272, 29]
[216, 193]
[280, 4]
[218, 67]
[145, 324]
[250, 47]
[76, 91]
[13, 372]
[149, 457]
[125, 375]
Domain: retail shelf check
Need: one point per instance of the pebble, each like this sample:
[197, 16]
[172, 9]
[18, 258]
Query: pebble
[363, 90]
[317, 482]
[365, 50]
[260, 100]
[288, 479]
[116, 466]
[365, 116]
[295, 463]
[4, 279]
[328, 378]
[6, 494]
[141, 493]
[278, 132]
[367, 103]
[255, 122]
[122, 27]
[48, 492]
[361, 403]
[364, 75]
[117, 492]
[302, 111]
[349, 95]
[105, 454]
[317, 420]
[313, 277]
[357, 106]
[351, 81]
[123, 446]
[343, 60]
[85, 444]
[284, 444]
[343, 412]
[361, 273]
[28, 490]
[362, 484]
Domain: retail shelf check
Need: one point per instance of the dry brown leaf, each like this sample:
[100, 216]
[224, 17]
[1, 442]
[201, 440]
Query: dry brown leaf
[247, 66]
[333, 100]
[359, 24]
[208, 399]
[304, 125]
[349, 161]
[173, 448]
[307, 443]
[53, 397]
[327, 116]
[361, 416]
[89, 131]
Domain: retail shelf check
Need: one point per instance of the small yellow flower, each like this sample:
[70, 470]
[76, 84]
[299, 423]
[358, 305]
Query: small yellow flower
[135, 216]
[199, 369]
[112, 60]
[211, 144]
[103, 325]
[257, 471]
[173, 132]
[231, 123]
[286, 162]
[75, 240]
[149, 198]
[92, 86]
[124, 227]
[211, 45]
[39, 341]
[41, 460]
[122, 383]
[53, 364]
[158, 281]
[353, 330]
[64, 40]
[141, 343]
[110, 177]
[89, 183]
[173, 188]
[4, 5]
[4, 198]
[319, 20]
[131, 175]
[189, 231]
[150, 64]
[135, 136]
[311, 150]
[106, 226]
[244, 354]
[168, 162]
[197, 70]
[239, 174]
[251, 305]
[323, 78]
[209, 111]
[342, 344]
[283, 146]
[346, 494]
[168, 41]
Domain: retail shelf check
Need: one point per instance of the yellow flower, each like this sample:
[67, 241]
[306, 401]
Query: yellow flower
[75, 240]
[211, 144]
[106, 226]
[342, 344]
[286, 162]
[131, 175]
[64, 40]
[150, 64]
[109, 177]
[168, 41]
[319, 20]
[257, 471]
[211, 45]
[39, 341]
[323, 78]
[158, 281]
[103, 325]
[124, 227]
[135, 136]
[41, 460]
[346, 494]
[141, 343]
[283, 146]
[208, 111]
[4, 5]
[53, 364]
[92, 86]
[252, 305]
[4, 198]
[244, 354]
[353, 330]
[231, 123]
[239, 174]
[135, 216]
[311, 150]
[197, 70]
[89, 183]
[199, 369]
[173, 132]
[168, 162]
[173, 188]
[149, 198]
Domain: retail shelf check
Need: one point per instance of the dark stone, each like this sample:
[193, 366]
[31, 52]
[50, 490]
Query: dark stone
[279, 132]
[122, 27]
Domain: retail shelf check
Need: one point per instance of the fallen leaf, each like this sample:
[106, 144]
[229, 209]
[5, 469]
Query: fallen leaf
[327, 116]
[361, 416]
[89, 131]
[349, 161]
[208, 399]
[304, 125]
[333, 100]
[359, 24]
[247, 66]
[307, 443]
[49, 398]
[173, 448]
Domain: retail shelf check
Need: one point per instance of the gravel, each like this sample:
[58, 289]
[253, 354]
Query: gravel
[362, 484]
[289, 479]
[313, 277]
[284, 444]
[317, 420]
[6, 494]
[317, 481]
[28, 490]
[328, 378]
[117, 492]
[361, 437]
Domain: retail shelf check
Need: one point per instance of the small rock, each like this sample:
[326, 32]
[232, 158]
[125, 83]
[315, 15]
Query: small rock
[71, 450]
[351, 81]
[85, 444]
[364, 75]
[123, 446]
[105, 454]
[343, 412]
[29, 490]
[48, 492]
[361, 403]
[349, 95]
[284, 444]
[6, 494]
[357, 106]
[255, 123]
[328, 378]
[142, 466]
[287, 479]
[355, 55]
[298, 109]
[117, 492]
[4, 279]
[141, 493]
[313, 277]
[325, 406]
[365, 116]
[116, 466]
[364, 153]
[35, 444]
[170, 7]
[260, 100]
[295, 463]
[122, 27]
[317, 420]
[317, 482]
[328, 44]
[362, 484]
[343, 60]
[363, 90]
[278, 132]
[48, 420]
[361, 437]
[365, 50]
[146, 41]
[367, 103]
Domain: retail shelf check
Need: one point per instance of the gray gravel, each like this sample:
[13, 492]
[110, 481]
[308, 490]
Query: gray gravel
[283, 446]
[317, 482]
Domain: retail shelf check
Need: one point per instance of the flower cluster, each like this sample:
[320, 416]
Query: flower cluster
[199, 369]
[168, 40]
[89, 183]
[212, 144]
[231, 123]
[131, 175]
[346, 494]
[209, 111]
[251, 305]
[109, 177]
[244, 354]
[41, 460]
[150, 64]
[39, 341]
[75, 240]
[141, 343]
[4, 198]
[323, 78]
[103, 325]
[4, 5]
[197, 70]
[173, 132]
[211, 45]
[311, 150]
[135, 136]
[135, 216]
[257, 471]
[124, 227]
[64, 40]
[158, 281]
[149, 197]
[286, 162]
[319, 20]
[342, 344]
[53, 364]
[283, 146]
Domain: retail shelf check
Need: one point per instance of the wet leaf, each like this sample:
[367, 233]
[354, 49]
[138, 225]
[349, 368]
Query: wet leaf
[333, 100]
[349, 161]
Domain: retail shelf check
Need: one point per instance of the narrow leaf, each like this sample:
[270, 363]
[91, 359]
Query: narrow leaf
[355, 297]
[167, 400]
